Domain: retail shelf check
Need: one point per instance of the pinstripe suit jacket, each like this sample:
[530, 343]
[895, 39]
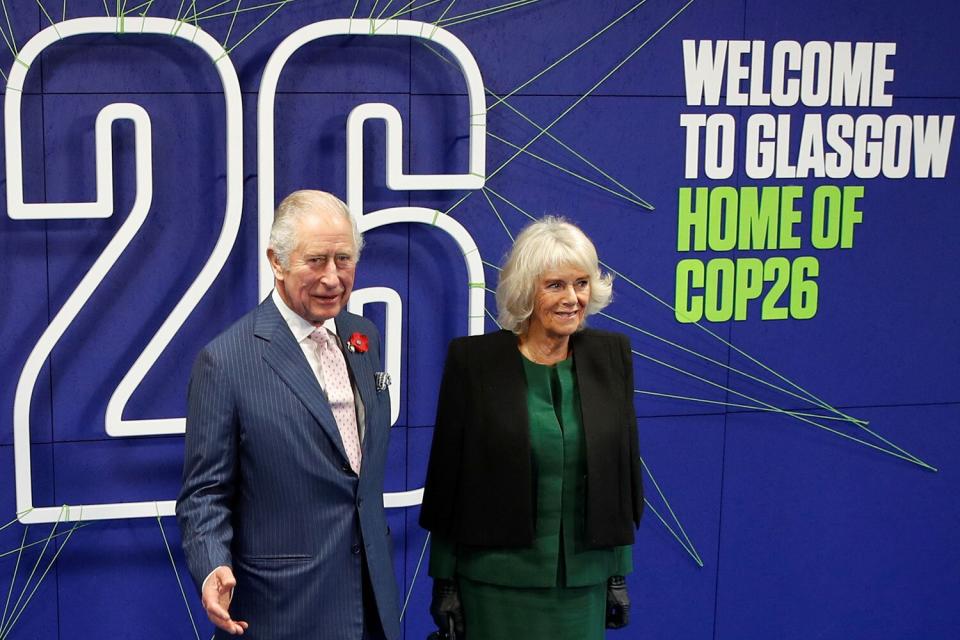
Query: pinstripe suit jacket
[267, 488]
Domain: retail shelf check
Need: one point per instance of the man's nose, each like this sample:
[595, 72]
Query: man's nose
[328, 276]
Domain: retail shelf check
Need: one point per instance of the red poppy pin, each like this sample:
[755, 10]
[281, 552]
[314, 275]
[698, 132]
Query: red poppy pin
[358, 342]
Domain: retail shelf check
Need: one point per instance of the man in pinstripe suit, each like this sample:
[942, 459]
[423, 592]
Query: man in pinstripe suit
[281, 508]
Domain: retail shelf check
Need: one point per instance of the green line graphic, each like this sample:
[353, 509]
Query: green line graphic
[550, 163]
[492, 317]
[567, 55]
[590, 91]
[691, 552]
[176, 574]
[10, 552]
[5, 633]
[143, 5]
[202, 17]
[193, 7]
[180, 9]
[491, 265]
[736, 405]
[779, 410]
[689, 546]
[405, 9]
[635, 199]
[416, 572]
[719, 363]
[252, 31]
[499, 217]
[233, 20]
[575, 153]
[203, 12]
[810, 397]
[33, 571]
[49, 19]
[13, 578]
[440, 19]
[580, 99]
[19, 608]
[16, 519]
[12, 43]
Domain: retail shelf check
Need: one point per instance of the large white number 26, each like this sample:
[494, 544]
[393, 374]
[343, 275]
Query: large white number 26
[115, 425]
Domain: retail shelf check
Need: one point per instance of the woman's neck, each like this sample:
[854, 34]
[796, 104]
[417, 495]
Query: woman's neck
[544, 349]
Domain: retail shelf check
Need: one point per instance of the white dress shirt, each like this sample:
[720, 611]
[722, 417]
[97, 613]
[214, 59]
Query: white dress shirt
[301, 330]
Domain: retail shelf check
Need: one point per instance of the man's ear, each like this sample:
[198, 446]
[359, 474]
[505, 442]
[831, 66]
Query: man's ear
[275, 264]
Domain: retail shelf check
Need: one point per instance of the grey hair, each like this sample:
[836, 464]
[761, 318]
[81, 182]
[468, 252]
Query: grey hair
[293, 208]
[543, 245]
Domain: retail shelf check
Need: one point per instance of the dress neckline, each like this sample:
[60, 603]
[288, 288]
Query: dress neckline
[566, 362]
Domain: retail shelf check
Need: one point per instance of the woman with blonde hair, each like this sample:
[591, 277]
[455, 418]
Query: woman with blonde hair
[533, 486]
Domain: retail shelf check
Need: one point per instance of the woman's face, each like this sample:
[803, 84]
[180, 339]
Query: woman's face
[560, 302]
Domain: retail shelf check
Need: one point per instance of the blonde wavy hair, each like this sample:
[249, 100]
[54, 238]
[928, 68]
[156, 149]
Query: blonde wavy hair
[542, 246]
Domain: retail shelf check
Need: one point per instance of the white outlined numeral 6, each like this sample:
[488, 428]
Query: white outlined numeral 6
[396, 179]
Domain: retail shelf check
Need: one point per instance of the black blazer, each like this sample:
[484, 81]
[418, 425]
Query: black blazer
[480, 487]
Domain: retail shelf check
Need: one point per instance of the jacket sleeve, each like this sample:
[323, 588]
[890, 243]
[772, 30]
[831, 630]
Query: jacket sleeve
[443, 558]
[441, 489]
[636, 478]
[209, 471]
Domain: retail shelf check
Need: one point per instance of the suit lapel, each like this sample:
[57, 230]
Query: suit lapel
[361, 368]
[286, 358]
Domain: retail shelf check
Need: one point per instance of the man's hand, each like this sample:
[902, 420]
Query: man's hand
[216, 596]
[618, 603]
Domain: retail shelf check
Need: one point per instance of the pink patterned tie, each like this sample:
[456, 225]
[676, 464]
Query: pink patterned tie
[339, 393]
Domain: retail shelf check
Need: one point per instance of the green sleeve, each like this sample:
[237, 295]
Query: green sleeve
[623, 559]
[443, 558]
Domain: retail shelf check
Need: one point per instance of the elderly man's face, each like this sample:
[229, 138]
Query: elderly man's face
[317, 282]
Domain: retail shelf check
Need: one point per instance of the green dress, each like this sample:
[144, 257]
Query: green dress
[556, 588]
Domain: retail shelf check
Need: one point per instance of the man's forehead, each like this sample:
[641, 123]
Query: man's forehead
[324, 223]
[324, 227]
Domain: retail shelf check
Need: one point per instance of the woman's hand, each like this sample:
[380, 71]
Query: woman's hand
[446, 604]
[618, 603]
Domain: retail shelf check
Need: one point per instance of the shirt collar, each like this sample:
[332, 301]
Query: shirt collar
[299, 327]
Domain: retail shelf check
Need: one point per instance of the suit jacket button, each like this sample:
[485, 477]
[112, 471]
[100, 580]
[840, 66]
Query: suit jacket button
[345, 467]
[355, 549]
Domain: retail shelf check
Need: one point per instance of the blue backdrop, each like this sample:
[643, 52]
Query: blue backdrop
[762, 522]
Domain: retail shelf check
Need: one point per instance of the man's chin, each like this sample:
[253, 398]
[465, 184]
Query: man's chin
[321, 313]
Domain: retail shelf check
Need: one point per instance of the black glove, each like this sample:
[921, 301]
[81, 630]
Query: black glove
[618, 603]
[446, 604]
